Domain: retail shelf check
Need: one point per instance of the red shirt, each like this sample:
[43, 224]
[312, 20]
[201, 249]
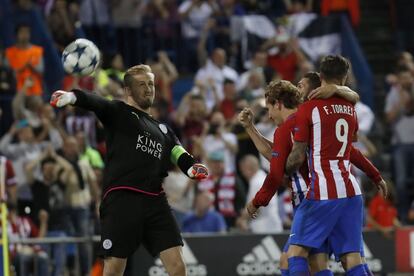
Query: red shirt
[329, 127]
[282, 146]
[382, 211]
[284, 65]
[228, 108]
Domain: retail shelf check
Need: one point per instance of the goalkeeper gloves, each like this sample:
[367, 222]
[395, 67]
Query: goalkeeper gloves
[62, 98]
[197, 171]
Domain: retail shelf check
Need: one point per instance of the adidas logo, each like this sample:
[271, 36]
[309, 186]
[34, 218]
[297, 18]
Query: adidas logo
[193, 267]
[263, 259]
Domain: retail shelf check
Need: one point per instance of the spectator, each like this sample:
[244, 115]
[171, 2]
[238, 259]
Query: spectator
[96, 22]
[10, 180]
[220, 140]
[217, 71]
[382, 215]
[20, 153]
[164, 22]
[228, 104]
[110, 80]
[81, 187]
[245, 144]
[7, 79]
[257, 64]
[167, 74]
[87, 153]
[255, 86]
[194, 15]
[27, 62]
[191, 117]
[180, 193]
[268, 220]
[289, 59]
[221, 31]
[61, 24]
[48, 197]
[399, 111]
[204, 219]
[228, 192]
[24, 256]
[127, 18]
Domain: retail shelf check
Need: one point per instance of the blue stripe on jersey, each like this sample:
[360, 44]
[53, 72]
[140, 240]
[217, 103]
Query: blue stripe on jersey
[312, 172]
[298, 187]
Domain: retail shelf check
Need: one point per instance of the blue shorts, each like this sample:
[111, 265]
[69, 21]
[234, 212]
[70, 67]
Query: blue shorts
[339, 221]
[325, 248]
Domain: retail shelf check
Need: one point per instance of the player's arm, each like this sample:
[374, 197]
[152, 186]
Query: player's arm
[263, 145]
[301, 139]
[296, 157]
[275, 177]
[362, 163]
[185, 161]
[102, 107]
[330, 90]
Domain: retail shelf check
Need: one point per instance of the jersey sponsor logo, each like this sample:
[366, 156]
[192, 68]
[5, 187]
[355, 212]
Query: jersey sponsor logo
[262, 260]
[107, 244]
[163, 128]
[193, 267]
[149, 146]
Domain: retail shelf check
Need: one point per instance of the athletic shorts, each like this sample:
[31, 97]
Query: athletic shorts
[339, 221]
[326, 248]
[129, 219]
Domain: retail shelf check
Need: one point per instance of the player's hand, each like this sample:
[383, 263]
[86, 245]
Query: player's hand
[246, 117]
[252, 210]
[323, 92]
[198, 171]
[383, 189]
[62, 98]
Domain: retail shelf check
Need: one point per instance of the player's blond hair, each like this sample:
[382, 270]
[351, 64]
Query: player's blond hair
[135, 70]
[283, 91]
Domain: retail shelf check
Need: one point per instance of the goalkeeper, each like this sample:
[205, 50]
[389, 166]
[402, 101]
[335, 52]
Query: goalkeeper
[134, 208]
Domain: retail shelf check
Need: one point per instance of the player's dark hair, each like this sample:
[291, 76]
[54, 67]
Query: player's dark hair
[313, 79]
[334, 68]
[284, 92]
[135, 70]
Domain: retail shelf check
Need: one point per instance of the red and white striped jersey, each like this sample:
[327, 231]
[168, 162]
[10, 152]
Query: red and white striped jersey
[329, 127]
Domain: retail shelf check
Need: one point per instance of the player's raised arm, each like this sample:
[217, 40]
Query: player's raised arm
[263, 145]
[101, 106]
[187, 164]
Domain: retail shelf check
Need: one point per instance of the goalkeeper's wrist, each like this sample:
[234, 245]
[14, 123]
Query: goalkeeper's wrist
[72, 97]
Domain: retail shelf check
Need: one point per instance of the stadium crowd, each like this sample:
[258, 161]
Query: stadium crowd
[54, 160]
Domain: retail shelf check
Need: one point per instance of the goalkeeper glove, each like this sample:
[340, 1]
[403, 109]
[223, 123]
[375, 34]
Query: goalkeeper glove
[62, 98]
[197, 171]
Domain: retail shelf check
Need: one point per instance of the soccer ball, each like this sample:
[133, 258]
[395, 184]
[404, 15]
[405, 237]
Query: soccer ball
[81, 57]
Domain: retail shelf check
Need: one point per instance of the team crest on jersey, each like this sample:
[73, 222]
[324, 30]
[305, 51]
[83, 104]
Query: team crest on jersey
[107, 244]
[275, 154]
[163, 128]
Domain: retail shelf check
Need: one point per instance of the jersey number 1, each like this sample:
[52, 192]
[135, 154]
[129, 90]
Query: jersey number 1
[341, 131]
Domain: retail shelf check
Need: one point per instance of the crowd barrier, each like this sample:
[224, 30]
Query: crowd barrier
[248, 254]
